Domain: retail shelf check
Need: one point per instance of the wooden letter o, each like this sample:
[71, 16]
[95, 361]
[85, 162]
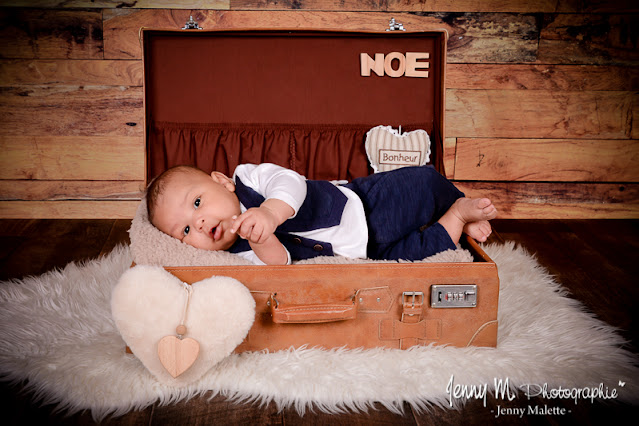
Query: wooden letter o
[388, 64]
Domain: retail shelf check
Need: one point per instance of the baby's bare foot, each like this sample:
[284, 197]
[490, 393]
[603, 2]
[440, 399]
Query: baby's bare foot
[464, 215]
[479, 230]
[470, 210]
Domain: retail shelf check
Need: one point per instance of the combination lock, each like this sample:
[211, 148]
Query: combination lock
[453, 296]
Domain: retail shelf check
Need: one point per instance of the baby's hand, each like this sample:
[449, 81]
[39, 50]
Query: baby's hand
[256, 224]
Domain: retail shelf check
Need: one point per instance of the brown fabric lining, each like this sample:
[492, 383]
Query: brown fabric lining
[283, 77]
[207, 93]
[315, 151]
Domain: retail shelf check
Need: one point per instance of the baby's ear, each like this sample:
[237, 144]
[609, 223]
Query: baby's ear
[223, 180]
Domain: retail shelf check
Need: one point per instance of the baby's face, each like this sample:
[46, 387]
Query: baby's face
[197, 209]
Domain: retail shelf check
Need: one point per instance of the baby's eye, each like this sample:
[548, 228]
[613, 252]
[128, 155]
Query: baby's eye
[197, 202]
[186, 230]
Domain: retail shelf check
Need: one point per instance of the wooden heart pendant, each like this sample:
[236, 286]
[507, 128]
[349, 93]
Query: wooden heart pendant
[177, 355]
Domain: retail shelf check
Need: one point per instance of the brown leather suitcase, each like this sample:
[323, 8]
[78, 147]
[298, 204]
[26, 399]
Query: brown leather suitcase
[393, 305]
[304, 99]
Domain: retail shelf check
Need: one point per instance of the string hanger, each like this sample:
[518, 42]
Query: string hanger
[181, 329]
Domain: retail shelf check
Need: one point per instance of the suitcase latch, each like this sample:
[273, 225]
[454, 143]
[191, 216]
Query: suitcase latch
[192, 25]
[412, 305]
[453, 296]
[395, 26]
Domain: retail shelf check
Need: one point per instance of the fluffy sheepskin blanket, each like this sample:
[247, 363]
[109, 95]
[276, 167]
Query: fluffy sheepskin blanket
[58, 337]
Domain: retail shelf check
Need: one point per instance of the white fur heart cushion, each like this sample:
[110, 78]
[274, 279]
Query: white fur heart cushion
[388, 149]
[147, 304]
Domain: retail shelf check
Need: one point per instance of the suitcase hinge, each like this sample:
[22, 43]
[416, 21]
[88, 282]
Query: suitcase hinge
[395, 26]
[192, 25]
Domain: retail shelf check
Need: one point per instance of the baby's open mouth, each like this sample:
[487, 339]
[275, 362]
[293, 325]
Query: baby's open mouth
[216, 232]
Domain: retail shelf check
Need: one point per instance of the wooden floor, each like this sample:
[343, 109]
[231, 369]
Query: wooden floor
[597, 261]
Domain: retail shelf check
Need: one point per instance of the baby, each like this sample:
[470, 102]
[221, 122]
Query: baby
[408, 213]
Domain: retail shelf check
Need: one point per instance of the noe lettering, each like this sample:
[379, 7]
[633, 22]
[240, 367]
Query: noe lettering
[395, 64]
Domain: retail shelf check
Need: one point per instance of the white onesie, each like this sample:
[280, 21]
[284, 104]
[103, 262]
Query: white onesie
[349, 238]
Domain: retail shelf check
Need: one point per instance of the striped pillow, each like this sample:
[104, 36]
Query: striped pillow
[389, 149]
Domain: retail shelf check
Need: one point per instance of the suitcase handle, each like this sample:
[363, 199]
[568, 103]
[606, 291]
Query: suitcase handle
[312, 314]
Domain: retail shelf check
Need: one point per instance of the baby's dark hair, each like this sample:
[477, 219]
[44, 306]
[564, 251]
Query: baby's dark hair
[156, 188]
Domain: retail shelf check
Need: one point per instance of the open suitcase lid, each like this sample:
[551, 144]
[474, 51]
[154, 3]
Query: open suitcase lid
[300, 98]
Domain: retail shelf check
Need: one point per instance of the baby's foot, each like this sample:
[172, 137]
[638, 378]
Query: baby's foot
[470, 210]
[464, 214]
[479, 230]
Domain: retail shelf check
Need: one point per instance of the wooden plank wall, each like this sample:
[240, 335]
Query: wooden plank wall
[541, 97]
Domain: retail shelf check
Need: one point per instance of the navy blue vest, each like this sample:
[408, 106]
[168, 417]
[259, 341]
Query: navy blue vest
[322, 208]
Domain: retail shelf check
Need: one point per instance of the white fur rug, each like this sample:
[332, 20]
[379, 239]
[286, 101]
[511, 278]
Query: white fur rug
[56, 331]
